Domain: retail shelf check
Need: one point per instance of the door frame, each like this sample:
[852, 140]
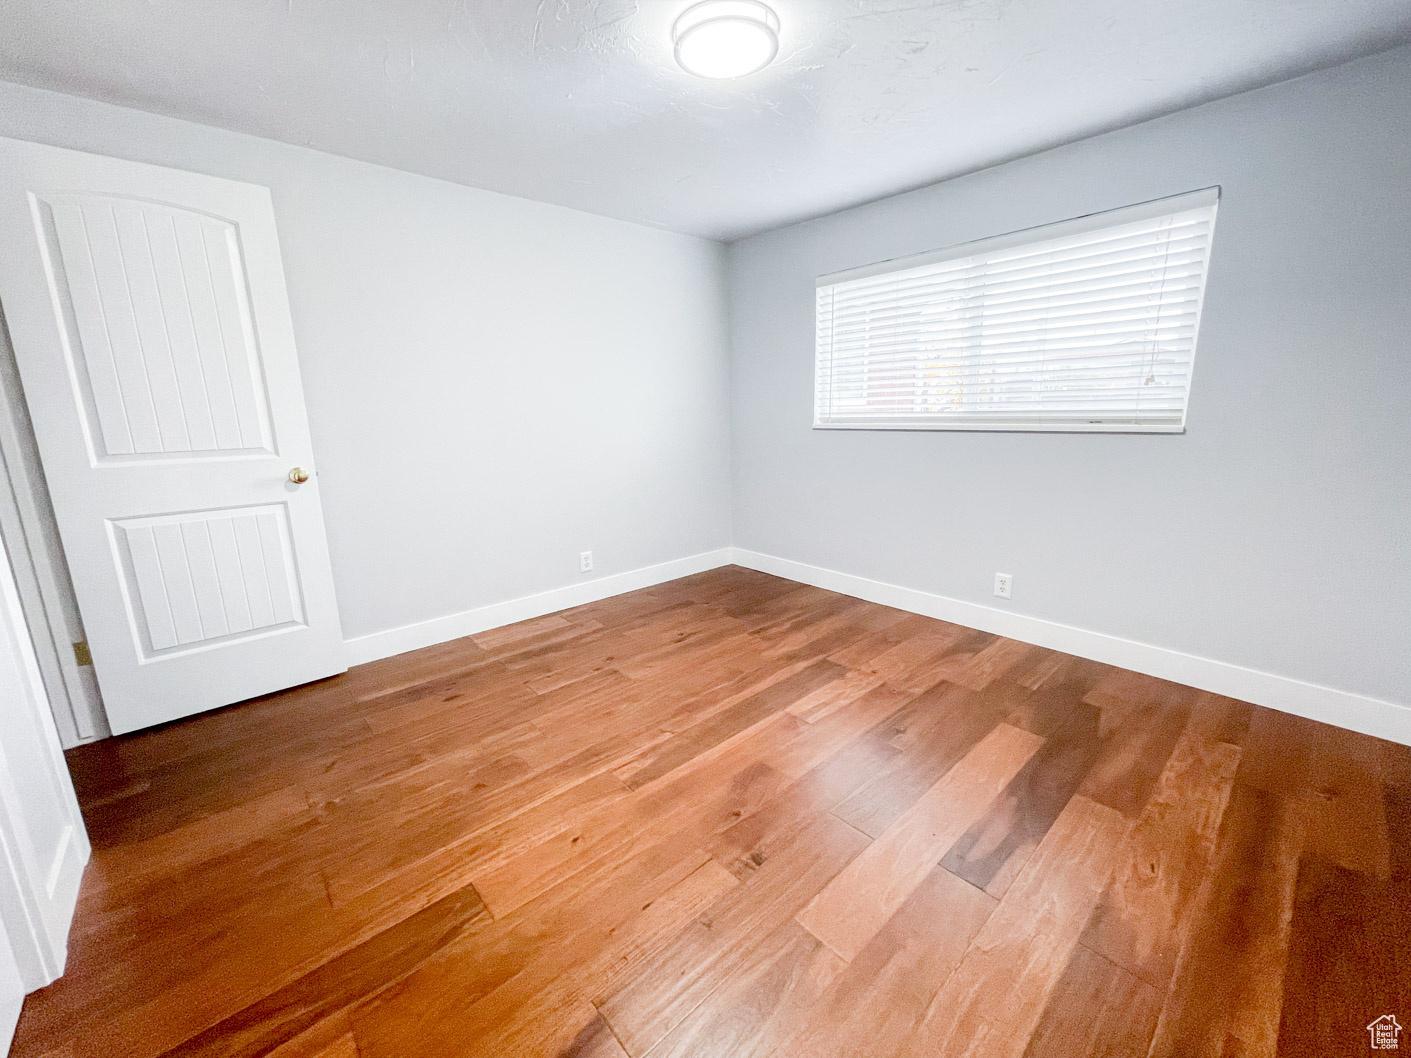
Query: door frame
[37, 899]
[31, 537]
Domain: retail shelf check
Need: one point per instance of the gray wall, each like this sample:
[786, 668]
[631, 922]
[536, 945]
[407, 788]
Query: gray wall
[1275, 534]
[494, 385]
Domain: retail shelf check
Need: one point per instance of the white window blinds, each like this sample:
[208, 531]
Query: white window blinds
[1085, 325]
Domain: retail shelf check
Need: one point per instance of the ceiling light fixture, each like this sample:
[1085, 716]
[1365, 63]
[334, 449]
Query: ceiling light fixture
[721, 39]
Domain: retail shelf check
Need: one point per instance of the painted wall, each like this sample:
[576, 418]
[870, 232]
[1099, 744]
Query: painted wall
[1275, 534]
[493, 384]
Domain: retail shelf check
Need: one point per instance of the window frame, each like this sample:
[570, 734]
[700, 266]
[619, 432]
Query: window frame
[1204, 197]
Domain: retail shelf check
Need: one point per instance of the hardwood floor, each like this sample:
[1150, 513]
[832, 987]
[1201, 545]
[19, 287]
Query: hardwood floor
[733, 815]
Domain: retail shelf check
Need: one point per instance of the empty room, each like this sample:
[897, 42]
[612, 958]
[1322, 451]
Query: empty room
[698, 529]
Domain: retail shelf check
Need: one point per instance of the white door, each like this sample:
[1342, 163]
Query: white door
[150, 321]
[43, 846]
[12, 991]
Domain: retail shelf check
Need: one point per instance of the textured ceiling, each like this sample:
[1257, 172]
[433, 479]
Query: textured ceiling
[579, 102]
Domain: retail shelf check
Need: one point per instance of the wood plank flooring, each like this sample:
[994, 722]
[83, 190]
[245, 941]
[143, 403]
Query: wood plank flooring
[734, 815]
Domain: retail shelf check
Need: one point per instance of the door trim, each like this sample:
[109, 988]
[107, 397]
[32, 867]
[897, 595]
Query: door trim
[41, 574]
[37, 899]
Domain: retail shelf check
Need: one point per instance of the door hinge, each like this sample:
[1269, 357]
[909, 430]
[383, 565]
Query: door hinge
[81, 654]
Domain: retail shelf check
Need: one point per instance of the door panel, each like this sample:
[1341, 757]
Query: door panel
[208, 576]
[160, 331]
[151, 325]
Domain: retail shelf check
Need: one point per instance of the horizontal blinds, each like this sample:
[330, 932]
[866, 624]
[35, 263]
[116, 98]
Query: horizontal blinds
[1076, 326]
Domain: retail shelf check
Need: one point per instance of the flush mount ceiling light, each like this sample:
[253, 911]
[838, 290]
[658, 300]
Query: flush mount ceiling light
[721, 39]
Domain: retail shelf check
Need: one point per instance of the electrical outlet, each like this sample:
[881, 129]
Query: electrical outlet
[585, 562]
[1004, 583]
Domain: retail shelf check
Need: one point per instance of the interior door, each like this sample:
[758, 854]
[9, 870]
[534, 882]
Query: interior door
[150, 322]
[43, 845]
[12, 991]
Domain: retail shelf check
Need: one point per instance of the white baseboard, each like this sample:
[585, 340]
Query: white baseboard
[1356, 712]
[1371, 716]
[399, 640]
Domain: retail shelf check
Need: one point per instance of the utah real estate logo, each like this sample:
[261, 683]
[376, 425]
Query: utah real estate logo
[1384, 1032]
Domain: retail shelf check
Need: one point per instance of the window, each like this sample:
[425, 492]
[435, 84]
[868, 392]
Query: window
[1085, 325]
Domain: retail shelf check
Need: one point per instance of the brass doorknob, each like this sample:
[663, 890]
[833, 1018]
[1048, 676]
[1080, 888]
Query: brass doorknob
[298, 475]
